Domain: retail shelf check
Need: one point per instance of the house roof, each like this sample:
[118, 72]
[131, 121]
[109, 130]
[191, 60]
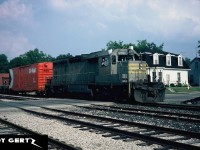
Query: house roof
[196, 58]
[148, 57]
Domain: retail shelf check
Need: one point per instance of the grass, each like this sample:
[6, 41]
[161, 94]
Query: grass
[182, 90]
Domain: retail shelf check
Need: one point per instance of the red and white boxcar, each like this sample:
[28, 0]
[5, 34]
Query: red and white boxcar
[31, 77]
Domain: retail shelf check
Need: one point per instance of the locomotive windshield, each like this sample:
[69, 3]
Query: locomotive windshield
[125, 57]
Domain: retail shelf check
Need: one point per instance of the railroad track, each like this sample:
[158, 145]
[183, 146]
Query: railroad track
[133, 131]
[125, 130]
[152, 113]
[171, 106]
[8, 128]
[17, 97]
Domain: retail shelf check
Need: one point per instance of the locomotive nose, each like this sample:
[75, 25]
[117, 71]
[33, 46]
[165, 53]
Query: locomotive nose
[136, 71]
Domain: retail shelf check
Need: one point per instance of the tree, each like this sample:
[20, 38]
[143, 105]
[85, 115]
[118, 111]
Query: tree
[114, 45]
[3, 63]
[35, 56]
[198, 48]
[63, 56]
[188, 61]
[142, 46]
[30, 57]
[16, 62]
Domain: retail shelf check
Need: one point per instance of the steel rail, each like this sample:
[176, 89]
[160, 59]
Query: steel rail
[152, 111]
[142, 113]
[118, 131]
[124, 122]
[172, 106]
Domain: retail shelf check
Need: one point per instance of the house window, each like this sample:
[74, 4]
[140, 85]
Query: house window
[180, 60]
[168, 60]
[154, 76]
[160, 76]
[179, 77]
[155, 59]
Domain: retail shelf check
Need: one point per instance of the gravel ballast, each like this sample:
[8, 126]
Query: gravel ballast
[67, 133]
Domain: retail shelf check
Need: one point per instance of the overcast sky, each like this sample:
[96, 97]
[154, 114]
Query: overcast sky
[83, 26]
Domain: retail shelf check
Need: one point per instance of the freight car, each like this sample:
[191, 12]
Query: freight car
[117, 74]
[4, 82]
[30, 78]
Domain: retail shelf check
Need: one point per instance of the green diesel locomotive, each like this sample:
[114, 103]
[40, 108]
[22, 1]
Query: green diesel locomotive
[117, 74]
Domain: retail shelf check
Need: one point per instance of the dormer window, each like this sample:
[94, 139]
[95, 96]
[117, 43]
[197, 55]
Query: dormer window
[155, 59]
[180, 60]
[168, 59]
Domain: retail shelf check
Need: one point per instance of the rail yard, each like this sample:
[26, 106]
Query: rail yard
[104, 100]
[86, 124]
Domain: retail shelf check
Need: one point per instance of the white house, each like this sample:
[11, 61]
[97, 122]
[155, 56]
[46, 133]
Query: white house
[194, 73]
[166, 67]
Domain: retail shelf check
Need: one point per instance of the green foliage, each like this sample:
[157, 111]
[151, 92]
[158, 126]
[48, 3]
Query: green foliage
[63, 56]
[30, 57]
[188, 61]
[3, 63]
[17, 61]
[141, 46]
[117, 45]
[179, 85]
[172, 85]
[35, 56]
[198, 46]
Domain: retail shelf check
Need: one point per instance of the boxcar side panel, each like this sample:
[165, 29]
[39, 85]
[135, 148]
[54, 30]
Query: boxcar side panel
[31, 77]
[45, 73]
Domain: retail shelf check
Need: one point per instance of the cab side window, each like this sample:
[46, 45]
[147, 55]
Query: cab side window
[104, 61]
[113, 59]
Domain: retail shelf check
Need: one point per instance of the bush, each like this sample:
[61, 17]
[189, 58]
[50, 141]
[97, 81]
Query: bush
[179, 85]
[172, 85]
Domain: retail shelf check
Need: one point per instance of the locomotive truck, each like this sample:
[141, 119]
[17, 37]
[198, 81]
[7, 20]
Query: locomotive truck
[117, 74]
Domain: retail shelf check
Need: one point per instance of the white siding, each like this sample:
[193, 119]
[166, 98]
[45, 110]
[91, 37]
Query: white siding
[172, 73]
[174, 76]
